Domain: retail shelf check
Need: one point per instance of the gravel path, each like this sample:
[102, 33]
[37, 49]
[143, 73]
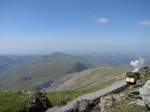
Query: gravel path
[89, 96]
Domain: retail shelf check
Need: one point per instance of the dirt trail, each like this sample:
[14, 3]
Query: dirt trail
[89, 96]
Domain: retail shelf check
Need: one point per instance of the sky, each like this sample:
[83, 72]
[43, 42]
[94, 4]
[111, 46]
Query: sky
[44, 26]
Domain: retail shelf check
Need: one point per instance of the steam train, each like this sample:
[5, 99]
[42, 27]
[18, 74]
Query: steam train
[132, 77]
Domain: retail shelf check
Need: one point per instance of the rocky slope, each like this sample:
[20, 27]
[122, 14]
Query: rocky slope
[87, 79]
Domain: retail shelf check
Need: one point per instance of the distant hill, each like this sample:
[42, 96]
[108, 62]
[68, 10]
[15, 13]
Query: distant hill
[40, 70]
[7, 63]
[11, 61]
[90, 60]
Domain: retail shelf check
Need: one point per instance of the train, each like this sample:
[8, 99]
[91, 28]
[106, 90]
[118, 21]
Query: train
[132, 77]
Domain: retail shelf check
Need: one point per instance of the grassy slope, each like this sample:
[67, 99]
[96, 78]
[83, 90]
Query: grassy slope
[39, 73]
[13, 99]
[87, 79]
[12, 102]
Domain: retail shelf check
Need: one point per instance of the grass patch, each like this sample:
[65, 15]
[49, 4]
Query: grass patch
[11, 102]
[123, 106]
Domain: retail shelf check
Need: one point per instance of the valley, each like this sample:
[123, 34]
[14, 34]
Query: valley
[32, 72]
[61, 78]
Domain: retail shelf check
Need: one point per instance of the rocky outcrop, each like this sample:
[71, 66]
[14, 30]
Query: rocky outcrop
[133, 94]
[30, 101]
[137, 103]
[106, 103]
[145, 94]
[81, 106]
[119, 97]
[38, 102]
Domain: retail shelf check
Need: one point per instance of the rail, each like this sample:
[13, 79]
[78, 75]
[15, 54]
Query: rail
[122, 88]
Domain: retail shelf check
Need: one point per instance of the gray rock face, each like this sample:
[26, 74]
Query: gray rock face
[133, 94]
[145, 94]
[81, 106]
[38, 101]
[137, 103]
[118, 97]
[106, 103]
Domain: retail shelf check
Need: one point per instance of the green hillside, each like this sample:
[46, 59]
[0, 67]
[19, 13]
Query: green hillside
[34, 73]
[87, 79]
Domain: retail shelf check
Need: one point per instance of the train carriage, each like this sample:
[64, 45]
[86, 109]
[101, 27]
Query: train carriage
[132, 77]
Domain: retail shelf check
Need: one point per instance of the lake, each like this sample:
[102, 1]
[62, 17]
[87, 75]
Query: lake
[47, 84]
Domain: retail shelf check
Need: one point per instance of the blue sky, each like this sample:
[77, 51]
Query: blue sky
[36, 26]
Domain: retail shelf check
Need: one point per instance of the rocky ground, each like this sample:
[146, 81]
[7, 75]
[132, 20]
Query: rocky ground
[88, 97]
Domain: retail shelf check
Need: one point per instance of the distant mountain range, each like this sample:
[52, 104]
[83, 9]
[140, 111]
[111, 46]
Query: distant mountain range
[33, 74]
[10, 62]
[30, 72]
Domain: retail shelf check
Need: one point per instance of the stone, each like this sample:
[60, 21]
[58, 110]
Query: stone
[83, 106]
[106, 103]
[133, 94]
[38, 101]
[117, 97]
[29, 94]
[145, 94]
[137, 103]
[22, 96]
[59, 103]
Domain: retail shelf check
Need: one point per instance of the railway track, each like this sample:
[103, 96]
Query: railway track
[122, 88]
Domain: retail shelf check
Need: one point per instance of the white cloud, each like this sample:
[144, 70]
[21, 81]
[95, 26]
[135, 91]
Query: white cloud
[145, 22]
[101, 19]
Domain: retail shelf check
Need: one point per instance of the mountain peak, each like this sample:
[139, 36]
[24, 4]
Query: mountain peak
[59, 54]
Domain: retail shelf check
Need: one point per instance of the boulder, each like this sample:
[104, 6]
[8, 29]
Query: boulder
[106, 102]
[38, 102]
[145, 94]
[81, 106]
[118, 97]
[134, 94]
[137, 103]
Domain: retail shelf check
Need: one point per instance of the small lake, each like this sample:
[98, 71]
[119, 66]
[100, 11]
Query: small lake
[47, 84]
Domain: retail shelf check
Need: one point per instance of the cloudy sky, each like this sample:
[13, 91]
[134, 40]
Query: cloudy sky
[34, 26]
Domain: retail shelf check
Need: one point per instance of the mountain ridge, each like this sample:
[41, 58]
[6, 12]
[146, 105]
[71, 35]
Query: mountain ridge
[42, 69]
[51, 67]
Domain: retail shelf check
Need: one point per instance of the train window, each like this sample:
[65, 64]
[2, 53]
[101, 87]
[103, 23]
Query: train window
[130, 75]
